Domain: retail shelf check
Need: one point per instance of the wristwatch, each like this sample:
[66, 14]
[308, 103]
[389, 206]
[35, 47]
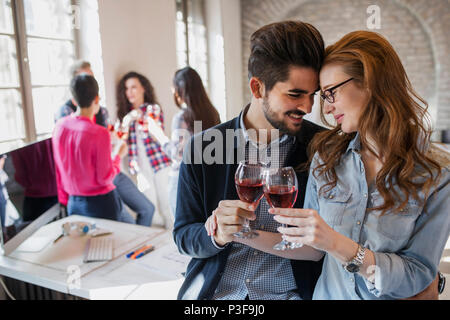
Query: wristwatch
[441, 283]
[355, 264]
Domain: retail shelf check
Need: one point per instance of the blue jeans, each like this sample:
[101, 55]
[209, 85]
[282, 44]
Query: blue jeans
[104, 206]
[134, 199]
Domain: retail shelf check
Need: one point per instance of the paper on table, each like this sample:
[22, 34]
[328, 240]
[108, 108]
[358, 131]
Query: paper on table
[166, 261]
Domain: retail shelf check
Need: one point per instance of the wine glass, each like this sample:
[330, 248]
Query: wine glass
[249, 187]
[280, 190]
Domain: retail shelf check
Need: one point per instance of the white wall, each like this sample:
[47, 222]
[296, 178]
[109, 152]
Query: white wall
[223, 21]
[231, 17]
[139, 35]
[90, 42]
[216, 67]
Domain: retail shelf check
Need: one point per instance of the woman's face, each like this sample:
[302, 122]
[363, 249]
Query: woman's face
[176, 97]
[350, 99]
[134, 92]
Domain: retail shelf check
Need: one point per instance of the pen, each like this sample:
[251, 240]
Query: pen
[145, 252]
[137, 251]
[140, 251]
[132, 252]
[59, 237]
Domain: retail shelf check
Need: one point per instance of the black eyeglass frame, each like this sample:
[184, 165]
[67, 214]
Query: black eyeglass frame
[330, 98]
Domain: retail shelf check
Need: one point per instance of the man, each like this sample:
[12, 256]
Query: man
[283, 70]
[126, 188]
[70, 107]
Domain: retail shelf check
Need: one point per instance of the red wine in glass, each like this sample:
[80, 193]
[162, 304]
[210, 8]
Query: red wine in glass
[281, 196]
[250, 191]
[280, 190]
[249, 187]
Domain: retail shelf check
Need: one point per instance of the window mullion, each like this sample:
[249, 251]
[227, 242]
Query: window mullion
[76, 31]
[186, 26]
[24, 69]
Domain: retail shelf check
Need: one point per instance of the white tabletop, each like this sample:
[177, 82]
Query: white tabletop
[59, 266]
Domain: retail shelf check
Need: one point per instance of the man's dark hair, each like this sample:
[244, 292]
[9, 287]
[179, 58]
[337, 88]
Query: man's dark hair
[84, 89]
[277, 46]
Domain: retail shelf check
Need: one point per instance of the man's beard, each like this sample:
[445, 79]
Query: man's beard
[271, 117]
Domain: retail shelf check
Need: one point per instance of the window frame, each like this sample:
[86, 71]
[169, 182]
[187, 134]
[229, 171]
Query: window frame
[185, 10]
[24, 73]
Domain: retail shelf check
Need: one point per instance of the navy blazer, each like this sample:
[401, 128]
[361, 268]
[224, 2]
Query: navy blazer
[202, 186]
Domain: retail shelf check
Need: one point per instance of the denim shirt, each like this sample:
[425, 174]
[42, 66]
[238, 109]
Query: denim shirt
[407, 246]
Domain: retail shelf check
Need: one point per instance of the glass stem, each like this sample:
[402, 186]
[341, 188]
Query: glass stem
[284, 226]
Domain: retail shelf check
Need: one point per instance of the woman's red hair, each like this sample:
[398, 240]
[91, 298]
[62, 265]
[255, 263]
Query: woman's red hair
[395, 118]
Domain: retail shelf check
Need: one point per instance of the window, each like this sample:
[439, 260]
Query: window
[11, 114]
[191, 37]
[37, 49]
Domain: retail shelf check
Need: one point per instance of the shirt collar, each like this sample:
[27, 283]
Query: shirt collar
[355, 144]
[83, 118]
[246, 137]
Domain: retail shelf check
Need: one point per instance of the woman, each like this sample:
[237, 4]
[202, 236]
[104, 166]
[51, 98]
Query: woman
[135, 95]
[378, 194]
[82, 154]
[191, 97]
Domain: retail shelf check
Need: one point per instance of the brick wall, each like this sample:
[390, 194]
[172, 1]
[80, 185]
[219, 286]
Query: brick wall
[418, 30]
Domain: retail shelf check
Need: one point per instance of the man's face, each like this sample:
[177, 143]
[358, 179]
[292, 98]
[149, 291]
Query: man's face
[286, 104]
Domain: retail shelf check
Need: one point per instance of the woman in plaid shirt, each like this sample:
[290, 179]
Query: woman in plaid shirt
[136, 103]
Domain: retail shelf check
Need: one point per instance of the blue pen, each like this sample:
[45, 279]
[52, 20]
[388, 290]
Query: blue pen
[130, 254]
[145, 252]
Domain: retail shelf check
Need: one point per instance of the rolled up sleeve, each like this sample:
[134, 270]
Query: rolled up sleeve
[410, 271]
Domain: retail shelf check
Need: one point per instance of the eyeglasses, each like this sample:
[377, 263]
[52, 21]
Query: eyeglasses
[329, 94]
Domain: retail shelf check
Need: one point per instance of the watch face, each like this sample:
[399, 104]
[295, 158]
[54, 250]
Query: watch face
[352, 267]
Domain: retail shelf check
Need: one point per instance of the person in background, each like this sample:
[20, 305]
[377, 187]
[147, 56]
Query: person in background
[136, 104]
[70, 107]
[191, 97]
[8, 213]
[35, 172]
[82, 154]
[126, 188]
[378, 195]
[3, 193]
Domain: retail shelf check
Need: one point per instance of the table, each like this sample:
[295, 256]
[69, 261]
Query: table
[59, 266]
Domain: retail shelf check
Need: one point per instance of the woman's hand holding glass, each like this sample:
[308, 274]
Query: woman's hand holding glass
[155, 130]
[280, 191]
[307, 228]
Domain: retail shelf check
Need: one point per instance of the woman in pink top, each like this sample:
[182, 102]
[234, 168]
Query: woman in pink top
[82, 152]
